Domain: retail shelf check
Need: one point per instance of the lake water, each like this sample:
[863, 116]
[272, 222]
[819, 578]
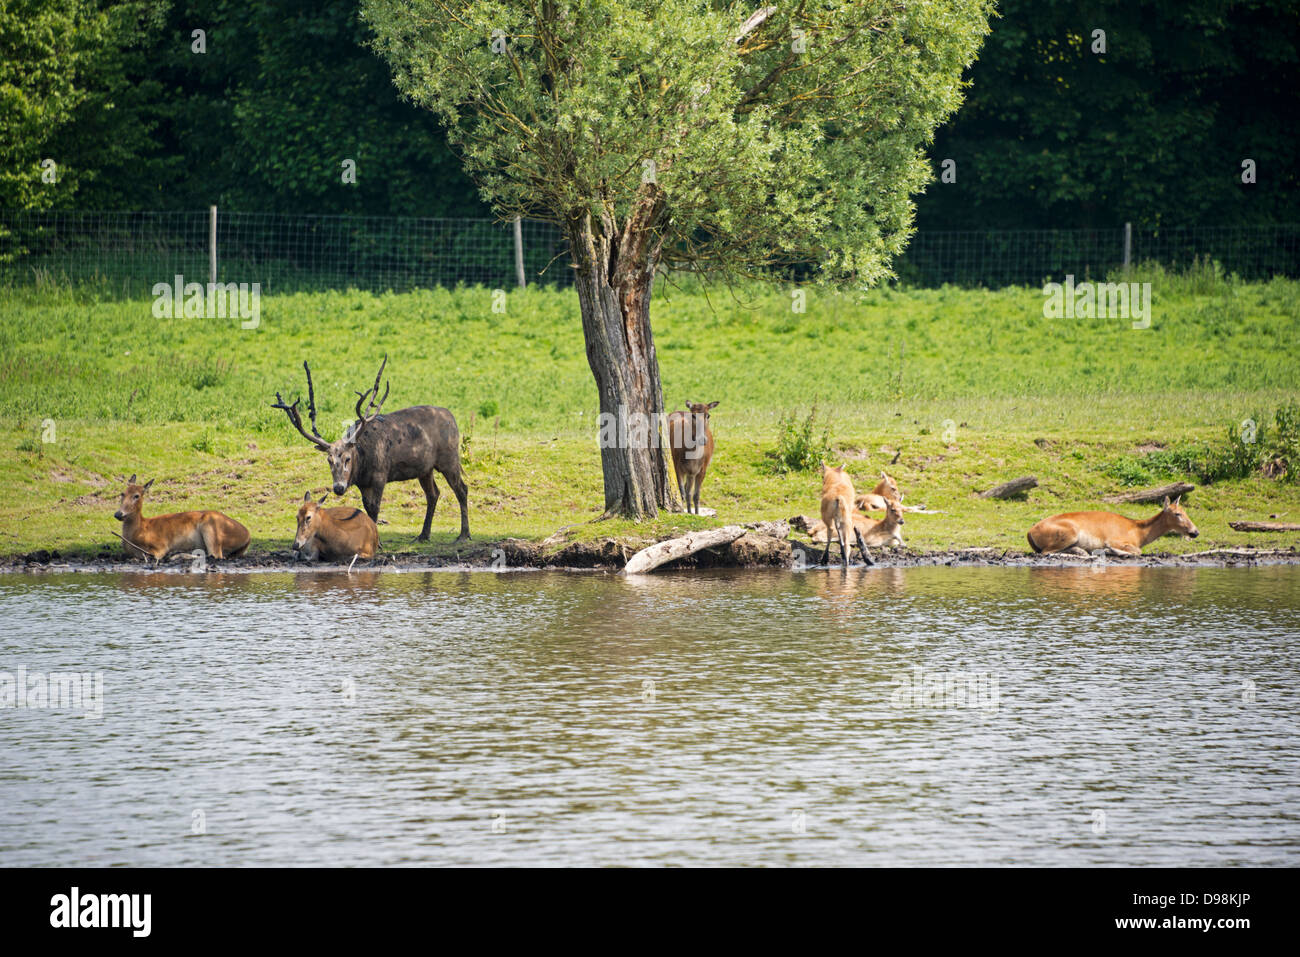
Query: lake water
[1050, 716]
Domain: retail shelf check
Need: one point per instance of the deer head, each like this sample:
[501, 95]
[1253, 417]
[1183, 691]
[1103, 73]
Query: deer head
[894, 511]
[1176, 519]
[308, 523]
[890, 487]
[343, 453]
[132, 499]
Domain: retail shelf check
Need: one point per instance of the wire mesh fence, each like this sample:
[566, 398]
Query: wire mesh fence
[126, 253]
[1017, 257]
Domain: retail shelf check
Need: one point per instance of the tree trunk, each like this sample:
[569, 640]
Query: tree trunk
[614, 277]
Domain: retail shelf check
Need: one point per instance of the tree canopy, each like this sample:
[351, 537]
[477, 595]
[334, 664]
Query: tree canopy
[765, 135]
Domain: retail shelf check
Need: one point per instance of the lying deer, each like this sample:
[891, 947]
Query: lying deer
[1082, 533]
[886, 531]
[218, 535]
[874, 501]
[332, 534]
[411, 443]
[691, 441]
[837, 513]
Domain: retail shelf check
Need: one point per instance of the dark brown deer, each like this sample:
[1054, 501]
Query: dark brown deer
[331, 534]
[410, 443]
[691, 441]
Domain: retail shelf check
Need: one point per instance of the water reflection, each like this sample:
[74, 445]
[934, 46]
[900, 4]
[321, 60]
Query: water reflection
[377, 718]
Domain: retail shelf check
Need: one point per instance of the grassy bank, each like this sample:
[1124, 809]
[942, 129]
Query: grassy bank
[968, 387]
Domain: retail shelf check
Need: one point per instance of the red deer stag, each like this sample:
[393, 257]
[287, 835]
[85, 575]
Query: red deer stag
[410, 443]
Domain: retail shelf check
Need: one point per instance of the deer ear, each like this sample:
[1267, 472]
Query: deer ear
[713, 405]
[306, 496]
[148, 484]
[131, 480]
[322, 498]
[1165, 504]
[1178, 499]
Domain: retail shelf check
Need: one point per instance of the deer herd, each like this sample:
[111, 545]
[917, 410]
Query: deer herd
[423, 440]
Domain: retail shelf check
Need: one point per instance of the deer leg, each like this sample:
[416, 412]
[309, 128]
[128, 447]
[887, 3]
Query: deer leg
[431, 494]
[699, 480]
[862, 547]
[371, 496]
[211, 540]
[457, 482]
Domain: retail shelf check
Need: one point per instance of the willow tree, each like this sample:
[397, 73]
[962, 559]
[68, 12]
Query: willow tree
[686, 133]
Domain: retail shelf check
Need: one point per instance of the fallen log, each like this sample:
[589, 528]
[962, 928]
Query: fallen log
[1014, 487]
[657, 554]
[1265, 526]
[1151, 494]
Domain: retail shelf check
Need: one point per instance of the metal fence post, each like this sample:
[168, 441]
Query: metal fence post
[519, 253]
[1128, 245]
[212, 245]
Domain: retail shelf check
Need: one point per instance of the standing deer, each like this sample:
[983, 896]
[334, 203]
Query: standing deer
[691, 441]
[218, 535]
[333, 533]
[1079, 533]
[837, 513]
[410, 443]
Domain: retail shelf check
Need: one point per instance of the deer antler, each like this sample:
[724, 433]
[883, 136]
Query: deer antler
[368, 415]
[296, 418]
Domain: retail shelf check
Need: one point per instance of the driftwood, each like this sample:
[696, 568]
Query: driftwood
[657, 554]
[1151, 494]
[1008, 489]
[1265, 526]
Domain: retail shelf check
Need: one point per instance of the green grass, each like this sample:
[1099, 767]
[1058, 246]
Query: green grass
[972, 387]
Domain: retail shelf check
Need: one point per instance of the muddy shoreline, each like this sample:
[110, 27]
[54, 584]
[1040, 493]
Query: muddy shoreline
[610, 555]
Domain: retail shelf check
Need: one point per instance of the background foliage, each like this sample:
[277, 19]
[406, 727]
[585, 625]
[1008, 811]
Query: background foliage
[1051, 134]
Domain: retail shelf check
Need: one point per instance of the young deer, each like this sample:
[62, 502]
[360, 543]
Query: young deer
[875, 532]
[332, 534]
[1081, 533]
[218, 535]
[837, 513]
[691, 441]
[874, 501]
[886, 531]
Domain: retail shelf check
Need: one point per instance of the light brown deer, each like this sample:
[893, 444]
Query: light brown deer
[874, 501]
[332, 534]
[1082, 533]
[837, 513]
[875, 532]
[218, 535]
[691, 441]
[887, 530]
